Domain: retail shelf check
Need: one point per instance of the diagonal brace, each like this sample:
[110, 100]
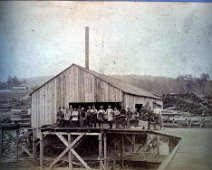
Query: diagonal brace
[67, 149]
[61, 137]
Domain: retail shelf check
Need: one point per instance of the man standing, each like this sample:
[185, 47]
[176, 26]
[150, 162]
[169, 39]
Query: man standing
[82, 117]
[93, 115]
[60, 116]
[128, 116]
[75, 117]
[89, 117]
[100, 114]
[157, 111]
[67, 117]
[116, 115]
[110, 114]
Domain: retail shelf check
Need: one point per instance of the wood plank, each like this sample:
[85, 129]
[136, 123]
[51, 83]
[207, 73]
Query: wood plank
[80, 159]
[1, 141]
[69, 153]
[25, 150]
[66, 150]
[81, 86]
[41, 151]
[71, 83]
[105, 150]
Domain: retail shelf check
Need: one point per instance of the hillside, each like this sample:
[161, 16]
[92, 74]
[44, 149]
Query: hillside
[164, 85]
[33, 82]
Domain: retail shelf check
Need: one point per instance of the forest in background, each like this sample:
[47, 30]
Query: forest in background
[158, 85]
[163, 85]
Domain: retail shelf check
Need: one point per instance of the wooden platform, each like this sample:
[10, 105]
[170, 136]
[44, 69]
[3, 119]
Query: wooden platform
[194, 151]
[107, 130]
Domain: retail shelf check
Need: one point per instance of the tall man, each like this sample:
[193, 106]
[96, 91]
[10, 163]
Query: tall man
[100, 114]
[110, 114]
[60, 116]
[94, 116]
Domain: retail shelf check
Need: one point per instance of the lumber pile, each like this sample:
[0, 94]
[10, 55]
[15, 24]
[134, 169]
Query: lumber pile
[188, 102]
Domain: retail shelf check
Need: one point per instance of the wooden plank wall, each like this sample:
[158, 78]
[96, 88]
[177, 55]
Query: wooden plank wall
[72, 85]
[131, 100]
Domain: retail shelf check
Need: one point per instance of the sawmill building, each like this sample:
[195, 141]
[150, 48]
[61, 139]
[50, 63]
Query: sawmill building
[76, 86]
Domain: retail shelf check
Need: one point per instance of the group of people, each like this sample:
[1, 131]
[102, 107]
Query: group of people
[91, 117]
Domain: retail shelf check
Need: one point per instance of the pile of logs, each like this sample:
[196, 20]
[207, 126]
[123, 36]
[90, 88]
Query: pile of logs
[188, 102]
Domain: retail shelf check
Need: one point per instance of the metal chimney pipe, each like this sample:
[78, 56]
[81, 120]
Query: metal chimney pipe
[87, 47]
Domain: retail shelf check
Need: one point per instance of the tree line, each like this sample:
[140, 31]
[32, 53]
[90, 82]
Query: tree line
[162, 85]
[11, 82]
[182, 84]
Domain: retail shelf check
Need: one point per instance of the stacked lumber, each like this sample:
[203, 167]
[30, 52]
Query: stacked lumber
[188, 102]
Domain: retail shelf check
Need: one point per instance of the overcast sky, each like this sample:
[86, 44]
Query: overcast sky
[159, 39]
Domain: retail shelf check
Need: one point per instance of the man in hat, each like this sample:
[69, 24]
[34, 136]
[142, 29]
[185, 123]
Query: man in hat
[110, 114]
[60, 116]
[94, 116]
[82, 115]
[89, 117]
[75, 117]
[100, 114]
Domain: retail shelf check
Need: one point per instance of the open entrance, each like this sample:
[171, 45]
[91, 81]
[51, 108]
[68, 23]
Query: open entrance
[138, 107]
[97, 104]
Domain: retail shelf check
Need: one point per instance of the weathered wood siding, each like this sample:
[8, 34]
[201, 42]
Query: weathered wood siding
[72, 85]
[130, 101]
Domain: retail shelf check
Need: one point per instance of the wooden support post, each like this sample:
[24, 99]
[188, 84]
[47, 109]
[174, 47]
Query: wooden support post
[158, 150]
[1, 141]
[133, 143]
[69, 147]
[26, 150]
[100, 150]
[122, 151]
[105, 150]
[41, 151]
[17, 142]
[69, 153]
[34, 144]
[114, 155]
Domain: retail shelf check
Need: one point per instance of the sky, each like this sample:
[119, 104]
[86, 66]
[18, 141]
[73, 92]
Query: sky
[143, 38]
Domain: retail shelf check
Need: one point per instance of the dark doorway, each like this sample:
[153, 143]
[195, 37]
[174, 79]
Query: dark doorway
[138, 107]
[97, 105]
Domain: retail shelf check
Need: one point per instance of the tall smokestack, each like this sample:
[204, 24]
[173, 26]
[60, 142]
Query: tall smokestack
[87, 47]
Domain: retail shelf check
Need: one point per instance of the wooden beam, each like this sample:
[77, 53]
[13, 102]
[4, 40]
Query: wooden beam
[26, 150]
[62, 138]
[105, 150]
[122, 151]
[65, 142]
[34, 148]
[1, 141]
[133, 143]
[100, 151]
[138, 148]
[72, 133]
[69, 153]
[80, 159]
[17, 142]
[102, 166]
[67, 149]
[38, 143]
[41, 151]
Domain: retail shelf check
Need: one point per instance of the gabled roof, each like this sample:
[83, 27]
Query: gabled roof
[119, 84]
